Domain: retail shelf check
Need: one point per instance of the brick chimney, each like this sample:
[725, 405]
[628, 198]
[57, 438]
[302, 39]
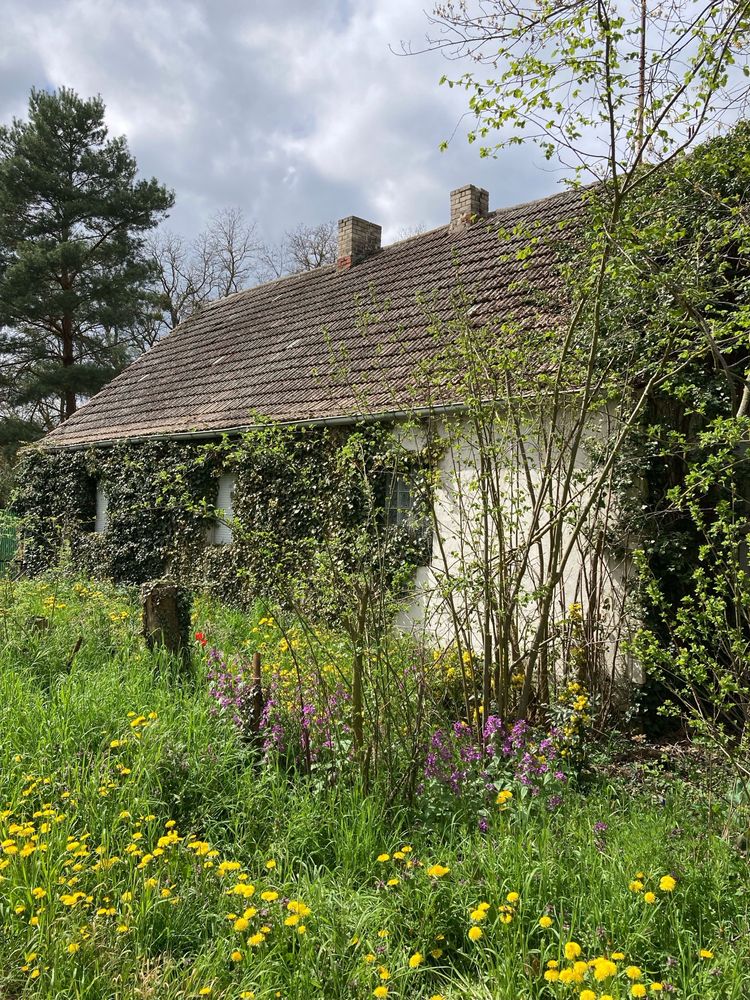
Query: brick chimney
[468, 204]
[358, 240]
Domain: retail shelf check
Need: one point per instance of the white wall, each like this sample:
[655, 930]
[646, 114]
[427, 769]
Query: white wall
[599, 585]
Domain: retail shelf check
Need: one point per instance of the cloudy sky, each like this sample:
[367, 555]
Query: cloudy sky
[294, 110]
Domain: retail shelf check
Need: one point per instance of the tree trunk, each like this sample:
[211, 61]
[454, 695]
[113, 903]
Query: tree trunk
[68, 360]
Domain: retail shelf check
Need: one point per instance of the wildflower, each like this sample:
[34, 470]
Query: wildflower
[572, 950]
[416, 960]
[437, 953]
[38, 893]
[638, 990]
[587, 995]
[73, 947]
[656, 987]
[393, 882]
[705, 953]
[475, 933]
[370, 958]
[236, 956]
[382, 858]
[633, 972]
[269, 896]
[618, 956]
[437, 871]
[512, 897]
[503, 797]
[241, 924]
[604, 969]
[383, 973]
[667, 883]
[256, 939]
[123, 929]
[636, 885]
[270, 864]
[298, 907]
[649, 897]
[380, 991]
[436, 996]
[545, 922]
[205, 991]
[551, 975]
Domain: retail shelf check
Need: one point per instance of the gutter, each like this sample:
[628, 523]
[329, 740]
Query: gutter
[206, 435]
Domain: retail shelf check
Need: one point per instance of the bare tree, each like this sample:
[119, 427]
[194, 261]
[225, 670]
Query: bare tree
[303, 249]
[223, 259]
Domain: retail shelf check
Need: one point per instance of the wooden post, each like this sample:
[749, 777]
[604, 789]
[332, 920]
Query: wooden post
[166, 616]
[257, 694]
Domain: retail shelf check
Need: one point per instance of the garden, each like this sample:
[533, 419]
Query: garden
[160, 839]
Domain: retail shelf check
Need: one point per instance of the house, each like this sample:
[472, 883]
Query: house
[355, 342]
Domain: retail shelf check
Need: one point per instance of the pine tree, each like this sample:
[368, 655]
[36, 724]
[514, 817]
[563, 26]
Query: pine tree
[74, 276]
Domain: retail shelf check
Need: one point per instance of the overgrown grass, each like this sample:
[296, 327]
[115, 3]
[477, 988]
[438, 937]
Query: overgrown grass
[105, 752]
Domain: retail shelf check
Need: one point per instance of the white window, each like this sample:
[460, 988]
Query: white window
[222, 530]
[401, 504]
[102, 508]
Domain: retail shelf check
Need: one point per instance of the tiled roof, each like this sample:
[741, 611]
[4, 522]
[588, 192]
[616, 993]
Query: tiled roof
[327, 344]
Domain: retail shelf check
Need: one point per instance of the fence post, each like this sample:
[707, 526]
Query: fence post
[166, 616]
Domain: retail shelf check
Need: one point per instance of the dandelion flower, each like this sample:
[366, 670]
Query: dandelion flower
[667, 883]
[705, 953]
[475, 933]
[380, 991]
[416, 960]
[572, 950]
[382, 858]
[638, 990]
[512, 897]
[633, 972]
[545, 922]
[587, 995]
[437, 871]
[236, 956]
[73, 947]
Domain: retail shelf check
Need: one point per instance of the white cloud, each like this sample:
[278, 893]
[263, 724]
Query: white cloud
[296, 111]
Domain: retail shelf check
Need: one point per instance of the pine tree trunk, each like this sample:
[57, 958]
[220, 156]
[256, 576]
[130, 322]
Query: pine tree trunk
[68, 359]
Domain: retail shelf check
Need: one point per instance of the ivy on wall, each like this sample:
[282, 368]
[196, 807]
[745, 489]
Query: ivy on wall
[300, 495]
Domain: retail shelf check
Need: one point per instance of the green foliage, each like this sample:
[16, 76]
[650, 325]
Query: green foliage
[302, 498]
[73, 273]
[118, 743]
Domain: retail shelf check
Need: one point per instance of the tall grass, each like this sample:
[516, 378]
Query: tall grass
[105, 752]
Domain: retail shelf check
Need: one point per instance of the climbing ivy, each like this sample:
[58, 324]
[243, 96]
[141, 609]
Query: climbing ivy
[301, 495]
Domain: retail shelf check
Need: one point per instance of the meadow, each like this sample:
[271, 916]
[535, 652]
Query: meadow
[149, 848]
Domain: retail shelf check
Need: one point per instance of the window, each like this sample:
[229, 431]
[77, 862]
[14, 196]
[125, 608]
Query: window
[411, 516]
[221, 532]
[101, 519]
[401, 503]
